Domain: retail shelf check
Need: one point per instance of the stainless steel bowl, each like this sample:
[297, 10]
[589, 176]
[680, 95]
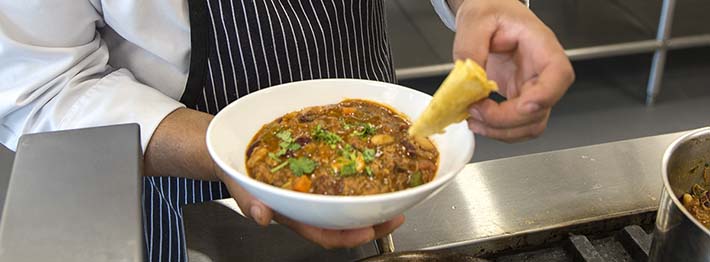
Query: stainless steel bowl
[678, 236]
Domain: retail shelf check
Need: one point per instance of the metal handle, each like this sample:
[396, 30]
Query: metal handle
[385, 244]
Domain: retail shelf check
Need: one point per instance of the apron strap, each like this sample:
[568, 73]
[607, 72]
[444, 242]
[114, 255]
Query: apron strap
[199, 31]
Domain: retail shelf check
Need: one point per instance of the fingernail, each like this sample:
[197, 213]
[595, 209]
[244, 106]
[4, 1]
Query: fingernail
[255, 213]
[531, 107]
[476, 114]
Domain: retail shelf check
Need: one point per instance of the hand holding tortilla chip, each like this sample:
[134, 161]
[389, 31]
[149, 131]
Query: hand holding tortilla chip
[466, 84]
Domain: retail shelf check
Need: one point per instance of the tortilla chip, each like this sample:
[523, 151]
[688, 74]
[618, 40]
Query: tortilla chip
[466, 84]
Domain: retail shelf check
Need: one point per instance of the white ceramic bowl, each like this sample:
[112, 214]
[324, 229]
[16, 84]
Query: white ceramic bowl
[233, 127]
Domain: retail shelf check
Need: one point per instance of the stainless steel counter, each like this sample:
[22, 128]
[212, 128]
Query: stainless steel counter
[536, 192]
[489, 200]
[74, 196]
[6, 159]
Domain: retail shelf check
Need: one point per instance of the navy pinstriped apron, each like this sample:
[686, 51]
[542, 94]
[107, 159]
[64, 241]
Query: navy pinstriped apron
[240, 47]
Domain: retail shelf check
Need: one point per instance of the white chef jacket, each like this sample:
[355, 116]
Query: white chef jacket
[86, 63]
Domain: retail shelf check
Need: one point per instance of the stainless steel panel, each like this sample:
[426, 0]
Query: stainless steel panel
[531, 193]
[75, 196]
[6, 158]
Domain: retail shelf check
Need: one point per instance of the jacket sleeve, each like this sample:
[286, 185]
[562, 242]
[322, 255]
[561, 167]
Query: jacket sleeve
[444, 11]
[54, 74]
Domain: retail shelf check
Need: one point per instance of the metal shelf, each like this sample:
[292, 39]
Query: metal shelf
[578, 54]
[660, 45]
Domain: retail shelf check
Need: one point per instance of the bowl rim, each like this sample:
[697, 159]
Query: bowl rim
[704, 131]
[310, 197]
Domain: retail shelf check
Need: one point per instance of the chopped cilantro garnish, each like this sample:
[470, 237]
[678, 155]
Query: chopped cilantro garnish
[279, 153]
[285, 136]
[293, 147]
[279, 167]
[326, 136]
[349, 169]
[273, 156]
[301, 165]
[287, 144]
[349, 160]
[415, 179]
[369, 129]
[368, 155]
[348, 152]
[365, 130]
[345, 125]
[368, 171]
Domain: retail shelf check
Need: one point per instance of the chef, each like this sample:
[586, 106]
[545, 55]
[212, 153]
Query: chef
[169, 65]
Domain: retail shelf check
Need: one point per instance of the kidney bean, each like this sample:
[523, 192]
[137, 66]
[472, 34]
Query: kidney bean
[251, 148]
[303, 140]
[306, 117]
[410, 149]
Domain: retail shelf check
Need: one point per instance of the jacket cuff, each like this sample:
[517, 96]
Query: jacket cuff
[444, 11]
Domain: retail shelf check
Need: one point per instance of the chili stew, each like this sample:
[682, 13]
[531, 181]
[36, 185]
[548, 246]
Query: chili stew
[355, 147]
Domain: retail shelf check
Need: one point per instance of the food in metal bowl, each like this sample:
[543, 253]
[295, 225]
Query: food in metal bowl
[355, 147]
[697, 200]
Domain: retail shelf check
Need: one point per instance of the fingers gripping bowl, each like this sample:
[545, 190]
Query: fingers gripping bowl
[230, 133]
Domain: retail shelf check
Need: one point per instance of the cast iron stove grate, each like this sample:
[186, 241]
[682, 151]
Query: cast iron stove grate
[632, 243]
[621, 238]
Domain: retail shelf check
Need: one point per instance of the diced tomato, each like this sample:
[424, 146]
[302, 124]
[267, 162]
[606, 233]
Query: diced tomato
[348, 110]
[302, 184]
